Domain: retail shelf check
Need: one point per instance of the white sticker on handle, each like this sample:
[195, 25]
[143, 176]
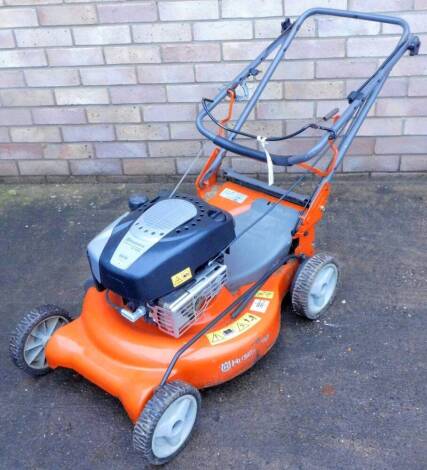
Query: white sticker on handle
[232, 195]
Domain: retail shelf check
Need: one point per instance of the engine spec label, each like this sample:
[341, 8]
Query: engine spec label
[260, 305]
[243, 324]
[129, 250]
[232, 195]
[181, 277]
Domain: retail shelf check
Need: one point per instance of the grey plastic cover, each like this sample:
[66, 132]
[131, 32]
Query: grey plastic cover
[252, 255]
[150, 227]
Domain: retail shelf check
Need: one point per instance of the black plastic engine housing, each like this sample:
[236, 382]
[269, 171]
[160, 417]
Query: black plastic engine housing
[171, 262]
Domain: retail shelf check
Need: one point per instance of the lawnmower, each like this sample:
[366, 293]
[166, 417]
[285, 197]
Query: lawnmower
[186, 291]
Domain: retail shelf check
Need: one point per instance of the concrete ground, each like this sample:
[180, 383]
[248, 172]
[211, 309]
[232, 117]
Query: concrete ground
[346, 392]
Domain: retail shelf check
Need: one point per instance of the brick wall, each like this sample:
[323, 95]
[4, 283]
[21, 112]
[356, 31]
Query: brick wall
[112, 88]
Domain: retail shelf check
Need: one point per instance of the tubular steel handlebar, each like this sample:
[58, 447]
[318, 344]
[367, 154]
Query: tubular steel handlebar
[359, 102]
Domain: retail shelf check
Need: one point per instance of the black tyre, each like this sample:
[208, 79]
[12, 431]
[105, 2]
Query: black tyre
[167, 422]
[28, 342]
[314, 286]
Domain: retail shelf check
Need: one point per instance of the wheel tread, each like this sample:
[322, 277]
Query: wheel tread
[23, 329]
[153, 410]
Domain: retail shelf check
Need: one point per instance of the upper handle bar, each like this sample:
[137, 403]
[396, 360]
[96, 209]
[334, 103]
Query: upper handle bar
[283, 42]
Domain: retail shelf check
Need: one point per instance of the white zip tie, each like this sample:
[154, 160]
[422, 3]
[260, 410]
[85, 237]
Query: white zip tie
[270, 167]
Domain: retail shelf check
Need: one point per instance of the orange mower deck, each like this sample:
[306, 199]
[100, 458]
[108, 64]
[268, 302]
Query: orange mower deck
[128, 360]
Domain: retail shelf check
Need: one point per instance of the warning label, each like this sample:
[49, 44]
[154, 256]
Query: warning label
[264, 294]
[181, 277]
[247, 321]
[260, 305]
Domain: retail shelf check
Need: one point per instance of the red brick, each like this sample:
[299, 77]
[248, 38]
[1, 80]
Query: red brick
[11, 79]
[52, 77]
[6, 39]
[59, 115]
[14, 117]
[43, 167]
[42, 37]
[414, 163]
[401, 144]
[26, 97]
[191, 53]
[67, 14]
[174, 149]
[371, 163]
[8, 168]
[89, 133]
[149, 166]
[22, 58]
[127, 12]
[17, 17]
[121, 150]
[138, 94]
[35, 134]
[67, 151]
[96, 167]
[75, 56]
[188, 10]
[20, 151]
[108, 76]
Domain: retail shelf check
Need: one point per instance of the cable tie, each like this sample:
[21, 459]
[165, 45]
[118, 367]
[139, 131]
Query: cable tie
[270, 167]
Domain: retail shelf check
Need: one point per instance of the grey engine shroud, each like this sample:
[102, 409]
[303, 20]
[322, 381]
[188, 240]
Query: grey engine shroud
[138, 254]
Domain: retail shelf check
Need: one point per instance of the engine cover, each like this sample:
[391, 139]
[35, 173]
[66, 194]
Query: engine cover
[159, 247]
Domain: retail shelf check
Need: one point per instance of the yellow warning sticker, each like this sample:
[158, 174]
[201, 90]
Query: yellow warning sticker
[265, 294]
[243, 324]
[181, 277]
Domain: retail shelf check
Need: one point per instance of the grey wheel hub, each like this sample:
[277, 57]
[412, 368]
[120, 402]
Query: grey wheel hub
[174, 426]
[34, 348]
[323, 288]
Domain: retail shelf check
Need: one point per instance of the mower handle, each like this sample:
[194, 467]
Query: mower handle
[282, 43]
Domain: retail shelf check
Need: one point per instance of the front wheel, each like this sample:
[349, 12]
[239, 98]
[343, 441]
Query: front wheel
[167, 421]
[315, 286]
[28, 341]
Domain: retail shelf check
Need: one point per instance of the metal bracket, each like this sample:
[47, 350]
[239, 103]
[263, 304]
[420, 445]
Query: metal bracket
[253, 72]
[414, 45]
[244, 86]
[355, 95]
[286, 25]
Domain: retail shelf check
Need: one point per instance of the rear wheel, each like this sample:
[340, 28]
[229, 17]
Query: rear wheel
[315, 286]
[167, 421]
[28, 342]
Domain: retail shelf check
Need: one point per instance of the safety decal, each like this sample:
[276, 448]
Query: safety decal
[260, 305]
[232, 195]
[243, 324]
[181, 277]
[264, 294]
